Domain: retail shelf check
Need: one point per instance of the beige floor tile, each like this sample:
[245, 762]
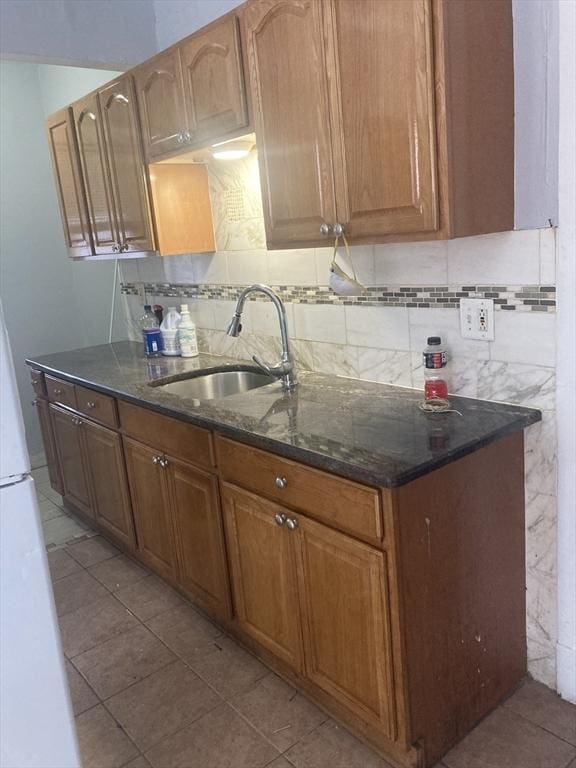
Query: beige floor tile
[280, 762]
[139, 762]
[332, 746]
[162, 704]
[118, 572]
[49, 493]
[40, 475]
[48, 510]
[220, 739]
[123, 661]
[77, 590]
[93, 624]
[545, 708]
[82, 696]
[60, 530]
[103, 744]
[229, 669]
[61, 564]
[148, 597]
[278, 711]
[92, 551]
[506, 740]
[185, 631]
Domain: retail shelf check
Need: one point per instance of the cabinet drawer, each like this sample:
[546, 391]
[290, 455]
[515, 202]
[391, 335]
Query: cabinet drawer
[97, 406]
[339, 502]
[60, 391]
[181, 440]
[37, 380]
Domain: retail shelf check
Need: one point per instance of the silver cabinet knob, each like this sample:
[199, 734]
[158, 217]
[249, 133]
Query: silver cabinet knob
[33, 403]
[279, 518]
[156, 459]
[187, 137]
[124, 247]
[77, 422]
[163, 462]
[325, 229]
[281, 482]
[181, 138]
[56, 391]
[115, 248]
[338, 230]
[291, 523]
[91, 404]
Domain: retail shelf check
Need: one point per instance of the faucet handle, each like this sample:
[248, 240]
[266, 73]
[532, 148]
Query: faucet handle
[266, 367]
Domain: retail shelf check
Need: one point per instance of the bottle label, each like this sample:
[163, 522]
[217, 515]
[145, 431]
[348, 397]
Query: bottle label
[152, 341]
[434, 359]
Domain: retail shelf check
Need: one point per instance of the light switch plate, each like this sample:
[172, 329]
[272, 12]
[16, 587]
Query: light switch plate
[477, 319]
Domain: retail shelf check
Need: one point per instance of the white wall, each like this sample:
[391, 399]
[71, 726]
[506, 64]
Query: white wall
[566, 370]
[109, 33]
[177, 18]
[50, 303]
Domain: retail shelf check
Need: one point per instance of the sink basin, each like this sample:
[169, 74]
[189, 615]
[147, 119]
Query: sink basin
[214, 384]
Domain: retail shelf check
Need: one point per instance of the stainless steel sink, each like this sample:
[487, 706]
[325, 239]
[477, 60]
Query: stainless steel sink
[215, 384]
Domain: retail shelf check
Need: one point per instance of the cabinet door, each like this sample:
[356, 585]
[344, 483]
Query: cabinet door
[108, 486]
[69, 186]
[382, 97]
[347, 637]
[49, 445]
[285, 46]
[263, 574]
[68, 438]
[151, 508]
[199, 535]
[161, 104]
[214, 82]
[88, 123]
[127, 170]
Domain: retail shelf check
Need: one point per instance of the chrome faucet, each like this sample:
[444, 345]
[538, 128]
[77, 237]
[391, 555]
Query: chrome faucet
[285, 368]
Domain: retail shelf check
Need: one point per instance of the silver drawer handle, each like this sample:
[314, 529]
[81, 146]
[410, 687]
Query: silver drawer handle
[281, 482]
[33, 403]
[163, 462]
[156, 459]
[291, 523]
[77, 422]
[91, 404]
[279, 518]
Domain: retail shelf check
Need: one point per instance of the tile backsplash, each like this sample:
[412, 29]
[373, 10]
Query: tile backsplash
[380, 337]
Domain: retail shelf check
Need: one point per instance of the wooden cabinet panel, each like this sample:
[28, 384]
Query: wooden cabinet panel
[214, 82]
[160, 92]
[334, 500]
[177, 438]
[60, 391]
[49, 445]
[347, 636]
[98, 406]
[68, 438]
[199, 535]
[38, 384]
[286, 59]
[383, 108]
[88, 124]
[151, 508]
[69, 186]
[263, 574]
[108, 485]
[127, 171]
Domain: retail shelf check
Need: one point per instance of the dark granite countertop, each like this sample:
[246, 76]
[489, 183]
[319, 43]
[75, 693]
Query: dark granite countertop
[373, 433]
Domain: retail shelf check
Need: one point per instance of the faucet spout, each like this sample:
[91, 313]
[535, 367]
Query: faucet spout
[285, 368]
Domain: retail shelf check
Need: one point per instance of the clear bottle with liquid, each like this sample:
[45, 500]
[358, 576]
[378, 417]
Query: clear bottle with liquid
[151, 333]
[435, 360]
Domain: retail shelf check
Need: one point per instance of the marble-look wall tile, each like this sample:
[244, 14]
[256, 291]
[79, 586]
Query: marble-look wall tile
[540, 456]
[444, 323]
[381, 328]
[524, 338]
[151, 270]
[541, 534]
[411, 263]
[529, 385]
[263, 318]
[461, 374]
[502, 258]
[541, 607]
[247, 267]
[294, 267]
[337, 359]
[314, 322]
[302, 351]
[384, 366]
[548, 256]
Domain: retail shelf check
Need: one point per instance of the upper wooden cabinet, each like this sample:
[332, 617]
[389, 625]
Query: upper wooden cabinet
[393, 119]
[194, 93]
[214, 82]
[126, 163]
[69, 186]
[161, 102]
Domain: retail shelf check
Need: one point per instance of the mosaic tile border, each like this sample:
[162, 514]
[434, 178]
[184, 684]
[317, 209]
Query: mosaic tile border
[530, 298]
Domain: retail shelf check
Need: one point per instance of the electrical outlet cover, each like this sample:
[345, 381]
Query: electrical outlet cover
[477, 319]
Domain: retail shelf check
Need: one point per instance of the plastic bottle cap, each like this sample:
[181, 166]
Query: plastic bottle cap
[184, 308]
[147, 307]
[433, 340]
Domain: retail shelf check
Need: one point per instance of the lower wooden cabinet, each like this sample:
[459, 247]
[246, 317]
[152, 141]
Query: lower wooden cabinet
[263, 573]
[49, 444]
[151, 507]
[104, 463]
[69, 447]
[316, 598]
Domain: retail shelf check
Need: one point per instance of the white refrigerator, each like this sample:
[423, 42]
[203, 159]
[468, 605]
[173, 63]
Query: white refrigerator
[36, 721]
